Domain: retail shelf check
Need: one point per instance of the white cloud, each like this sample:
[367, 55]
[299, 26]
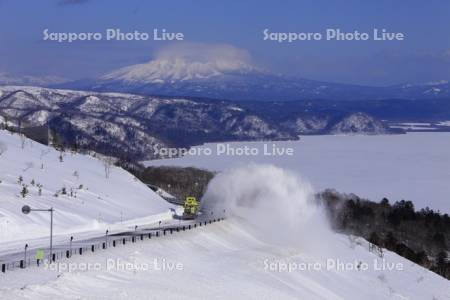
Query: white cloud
[223, 56]
[201, 52]
[186, 61]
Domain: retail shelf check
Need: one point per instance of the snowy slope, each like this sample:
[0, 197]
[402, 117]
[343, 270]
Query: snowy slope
[223, 261]
[91, 202]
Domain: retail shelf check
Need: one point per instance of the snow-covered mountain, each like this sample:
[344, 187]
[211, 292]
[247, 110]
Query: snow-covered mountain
[241, 82]
[352, 123]
[236, 79]
[169, 71]
[132, 126]
[359, 123]
[307, 125]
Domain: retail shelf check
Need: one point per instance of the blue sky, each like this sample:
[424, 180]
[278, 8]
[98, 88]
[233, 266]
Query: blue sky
[423, 56]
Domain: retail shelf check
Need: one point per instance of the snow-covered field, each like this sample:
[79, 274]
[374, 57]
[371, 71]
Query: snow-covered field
[224, 261]
[90, 202]
[414, 166]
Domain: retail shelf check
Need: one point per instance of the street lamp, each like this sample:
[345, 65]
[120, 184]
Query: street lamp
[106, 238]
[25, 256]
[70, 246]
[26, 210]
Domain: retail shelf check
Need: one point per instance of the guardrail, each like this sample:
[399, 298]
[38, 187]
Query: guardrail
[112, 241]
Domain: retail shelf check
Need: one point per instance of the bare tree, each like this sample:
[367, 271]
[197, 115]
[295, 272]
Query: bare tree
[61, 156]
[44, 153]
[107, 164]
[23, 140]
[3, 148]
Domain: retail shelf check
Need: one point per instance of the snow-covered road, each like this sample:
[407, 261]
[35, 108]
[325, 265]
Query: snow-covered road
[11, 252]
[225, 261]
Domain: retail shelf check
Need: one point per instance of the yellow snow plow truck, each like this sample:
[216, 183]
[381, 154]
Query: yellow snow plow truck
[191, 206]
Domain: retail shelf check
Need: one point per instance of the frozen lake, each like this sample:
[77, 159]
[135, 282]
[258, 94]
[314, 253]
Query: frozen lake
[414, 166]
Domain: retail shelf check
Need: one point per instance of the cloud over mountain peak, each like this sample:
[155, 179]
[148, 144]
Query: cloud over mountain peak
[186, 61]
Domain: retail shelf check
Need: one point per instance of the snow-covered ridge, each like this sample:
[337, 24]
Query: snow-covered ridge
[132, 124]
[41, 91]
[138, 125]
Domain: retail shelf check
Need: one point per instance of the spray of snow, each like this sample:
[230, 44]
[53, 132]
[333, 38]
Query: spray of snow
[277, 206]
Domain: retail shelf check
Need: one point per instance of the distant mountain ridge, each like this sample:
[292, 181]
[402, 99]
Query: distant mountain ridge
[8, 79]
[131, 125]
[135, 126]
[238, 80]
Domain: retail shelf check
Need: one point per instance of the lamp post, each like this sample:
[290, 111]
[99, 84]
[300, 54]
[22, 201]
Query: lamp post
[106, 238]
[70, 246]
[26, 210]
[25, 256]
